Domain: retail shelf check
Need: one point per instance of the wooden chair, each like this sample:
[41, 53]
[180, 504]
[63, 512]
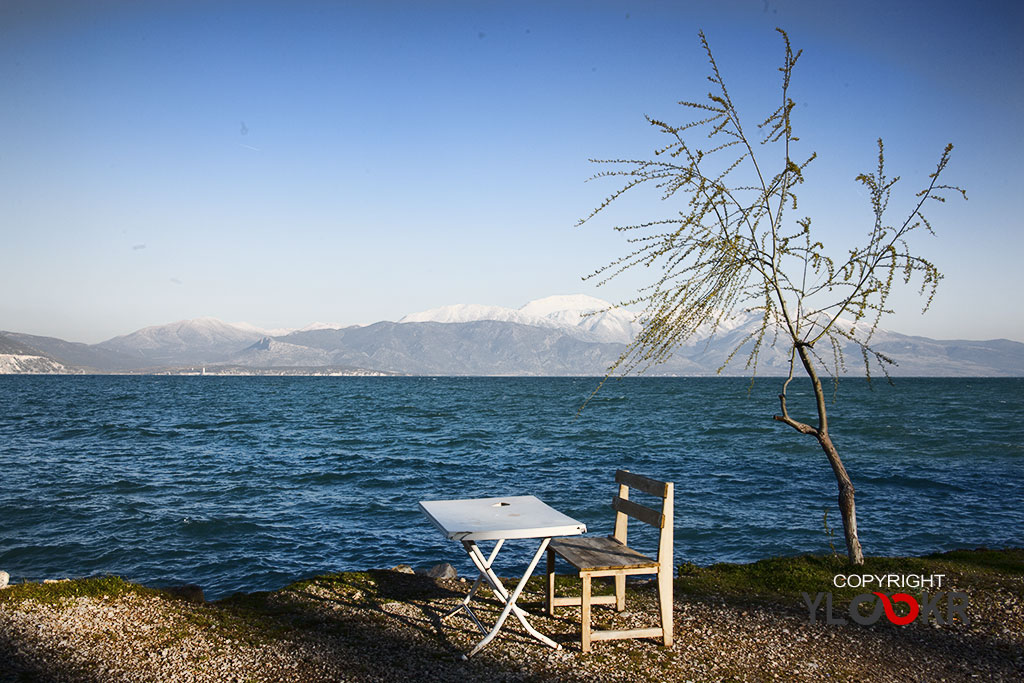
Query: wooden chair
[610, 556]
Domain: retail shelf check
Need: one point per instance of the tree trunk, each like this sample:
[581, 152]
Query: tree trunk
[847, 507]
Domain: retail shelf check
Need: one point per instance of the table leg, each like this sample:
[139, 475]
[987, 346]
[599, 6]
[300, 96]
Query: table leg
[503, 595]
[464, 605]
[487, 574]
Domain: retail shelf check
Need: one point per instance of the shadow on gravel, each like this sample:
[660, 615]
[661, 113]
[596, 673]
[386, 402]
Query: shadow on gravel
[386, 626]
[365, 626]
[17, 665]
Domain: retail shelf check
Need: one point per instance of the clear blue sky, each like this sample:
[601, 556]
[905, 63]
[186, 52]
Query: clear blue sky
[285, 162]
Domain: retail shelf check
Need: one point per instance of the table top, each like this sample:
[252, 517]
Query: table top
[508, 517]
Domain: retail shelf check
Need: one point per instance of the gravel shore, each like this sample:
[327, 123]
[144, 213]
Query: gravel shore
[385, 626]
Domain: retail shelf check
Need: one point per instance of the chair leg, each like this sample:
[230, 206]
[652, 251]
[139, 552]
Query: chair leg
[620, 593]
[665, 604]
[585, 614]
[551, 583]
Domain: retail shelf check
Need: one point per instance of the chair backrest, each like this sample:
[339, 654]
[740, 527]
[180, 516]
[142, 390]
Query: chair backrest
[662, 520]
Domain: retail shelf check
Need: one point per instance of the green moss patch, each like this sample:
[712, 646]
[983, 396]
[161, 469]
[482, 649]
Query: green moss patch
[62, 591]
[785, 578]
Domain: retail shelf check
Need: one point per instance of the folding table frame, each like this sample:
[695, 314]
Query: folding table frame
[499, 519]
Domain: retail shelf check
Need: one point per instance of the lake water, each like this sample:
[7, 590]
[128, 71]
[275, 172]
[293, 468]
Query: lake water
[246, 483]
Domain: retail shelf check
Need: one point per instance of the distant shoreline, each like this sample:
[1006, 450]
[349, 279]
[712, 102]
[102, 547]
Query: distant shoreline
[218, 371]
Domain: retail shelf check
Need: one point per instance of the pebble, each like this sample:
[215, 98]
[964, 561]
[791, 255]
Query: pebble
[5, 579]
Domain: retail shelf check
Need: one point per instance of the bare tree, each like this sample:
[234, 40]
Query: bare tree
[737, 246]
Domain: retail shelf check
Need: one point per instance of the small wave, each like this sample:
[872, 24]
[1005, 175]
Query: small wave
[903, 481]
[214, 526]
[322, 478]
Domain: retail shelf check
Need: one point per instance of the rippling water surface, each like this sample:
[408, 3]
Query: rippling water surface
[246, 483]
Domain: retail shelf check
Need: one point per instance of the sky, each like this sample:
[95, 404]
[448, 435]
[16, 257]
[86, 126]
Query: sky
[282, 163]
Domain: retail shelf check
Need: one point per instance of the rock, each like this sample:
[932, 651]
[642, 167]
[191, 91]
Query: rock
[189, 592]
[403, 568]
[5, 579]
[442, 571]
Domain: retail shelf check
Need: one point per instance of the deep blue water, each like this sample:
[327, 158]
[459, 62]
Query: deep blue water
[251, 482]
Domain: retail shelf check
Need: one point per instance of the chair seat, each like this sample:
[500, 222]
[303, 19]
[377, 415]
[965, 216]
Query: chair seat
[594, 553]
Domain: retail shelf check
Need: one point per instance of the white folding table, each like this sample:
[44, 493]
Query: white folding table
[499, 519]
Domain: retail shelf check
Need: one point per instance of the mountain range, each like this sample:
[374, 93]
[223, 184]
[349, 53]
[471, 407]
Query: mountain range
[558, 335]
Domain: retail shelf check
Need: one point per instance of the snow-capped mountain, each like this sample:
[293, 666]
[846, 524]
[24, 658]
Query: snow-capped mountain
[263, 331]
[186, 341]
[284, 331]
[584, 317]
[313, 326]
[477, 347]
[269, 352]
[210, 340]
